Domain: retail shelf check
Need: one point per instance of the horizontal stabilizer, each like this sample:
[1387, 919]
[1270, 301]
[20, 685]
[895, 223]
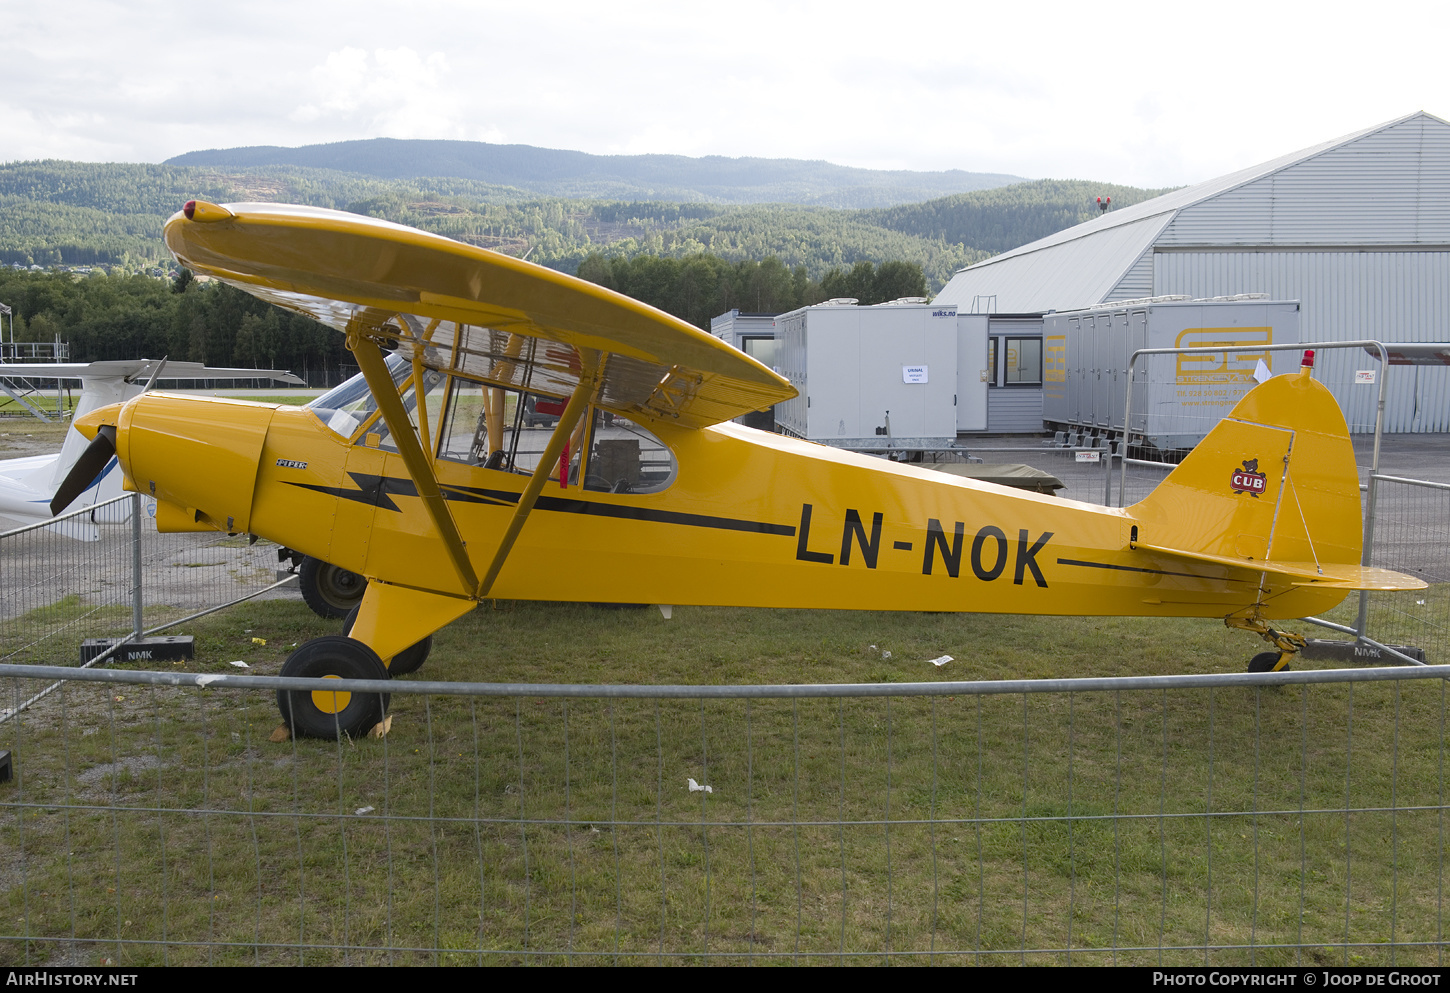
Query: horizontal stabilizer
[1325, 575]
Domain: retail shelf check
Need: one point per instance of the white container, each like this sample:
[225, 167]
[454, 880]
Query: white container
[871, 377]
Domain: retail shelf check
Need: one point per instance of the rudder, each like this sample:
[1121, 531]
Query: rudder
[1275, 480]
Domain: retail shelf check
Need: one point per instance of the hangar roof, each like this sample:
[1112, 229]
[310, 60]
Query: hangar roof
[1348, 199]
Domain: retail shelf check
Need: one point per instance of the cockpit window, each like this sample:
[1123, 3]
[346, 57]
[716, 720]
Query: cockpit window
[626, 458]
[348, 407]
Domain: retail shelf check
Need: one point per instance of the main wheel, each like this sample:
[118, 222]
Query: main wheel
[410, 659]
[327, 714]
[328, 590]
[1266, 662]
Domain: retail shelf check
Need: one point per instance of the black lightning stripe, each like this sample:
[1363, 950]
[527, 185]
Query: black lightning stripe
[1155, 572]
[379, 491]
[376, 491]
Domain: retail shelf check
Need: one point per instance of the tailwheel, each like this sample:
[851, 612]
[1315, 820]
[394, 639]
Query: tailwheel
[410, 659]
[1287, 642]
[1270, 662]
[328, 714]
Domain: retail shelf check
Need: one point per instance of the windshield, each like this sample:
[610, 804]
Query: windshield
[346, 408]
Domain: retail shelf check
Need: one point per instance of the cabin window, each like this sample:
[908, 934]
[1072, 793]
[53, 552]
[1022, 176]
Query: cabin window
[502, 429]
[625, 457]
[346, 408]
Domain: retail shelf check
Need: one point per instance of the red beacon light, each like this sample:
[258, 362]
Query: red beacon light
[1308, 361]
[205, 213]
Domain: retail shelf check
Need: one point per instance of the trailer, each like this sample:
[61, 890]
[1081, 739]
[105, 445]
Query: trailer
[881, 378]
[1086, 355]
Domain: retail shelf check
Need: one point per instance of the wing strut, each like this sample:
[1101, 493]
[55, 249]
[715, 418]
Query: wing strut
[375, 371]
[589, 361]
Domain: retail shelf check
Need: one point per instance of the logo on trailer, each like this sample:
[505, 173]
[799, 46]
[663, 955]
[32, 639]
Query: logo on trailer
[1249, 479]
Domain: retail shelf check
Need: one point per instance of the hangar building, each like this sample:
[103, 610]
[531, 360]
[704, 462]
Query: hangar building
[1357, 229]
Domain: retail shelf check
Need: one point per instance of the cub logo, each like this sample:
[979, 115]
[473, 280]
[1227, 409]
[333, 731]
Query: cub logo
[1248, 479]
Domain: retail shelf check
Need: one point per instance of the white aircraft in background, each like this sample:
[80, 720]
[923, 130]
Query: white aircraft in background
[27, 485]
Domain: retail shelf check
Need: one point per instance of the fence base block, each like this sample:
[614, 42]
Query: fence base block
[1319, 649]
[174, 648]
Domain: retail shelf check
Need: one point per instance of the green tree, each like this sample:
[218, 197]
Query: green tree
[897, 279]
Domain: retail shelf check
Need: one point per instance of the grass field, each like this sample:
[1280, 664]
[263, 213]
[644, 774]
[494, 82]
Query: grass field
[44, 400]
[163, 826]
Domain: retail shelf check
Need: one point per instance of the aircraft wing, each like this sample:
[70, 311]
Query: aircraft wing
[196, 370]
[1414, 352]
[465, 308]
[139, 369]
[1325, 575]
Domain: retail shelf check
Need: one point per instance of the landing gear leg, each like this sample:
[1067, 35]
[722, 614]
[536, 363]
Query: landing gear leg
[1287, 643]
[408, 660]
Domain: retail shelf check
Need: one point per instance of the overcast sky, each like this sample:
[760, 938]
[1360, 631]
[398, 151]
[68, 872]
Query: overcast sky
[1151, 94]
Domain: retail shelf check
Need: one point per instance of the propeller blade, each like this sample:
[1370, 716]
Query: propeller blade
[151, 384]
[89, 466]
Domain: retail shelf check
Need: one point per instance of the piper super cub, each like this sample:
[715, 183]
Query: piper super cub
[518, 433]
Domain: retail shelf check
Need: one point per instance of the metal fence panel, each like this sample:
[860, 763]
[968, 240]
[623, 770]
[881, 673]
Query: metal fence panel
[53, 585]
[1287, 818]
[1411, 534]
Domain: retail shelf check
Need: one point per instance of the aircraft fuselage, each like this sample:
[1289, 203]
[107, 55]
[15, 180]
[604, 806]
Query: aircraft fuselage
[749, 519]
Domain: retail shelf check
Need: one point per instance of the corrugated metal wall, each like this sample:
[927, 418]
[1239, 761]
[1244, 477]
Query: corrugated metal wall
[1137, 283]
[1014, 411]
[1393, 296]
[1391, 188]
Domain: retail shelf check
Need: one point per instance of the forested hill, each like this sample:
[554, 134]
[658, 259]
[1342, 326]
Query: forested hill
[76, 213]
[554, 172]
[995, 221]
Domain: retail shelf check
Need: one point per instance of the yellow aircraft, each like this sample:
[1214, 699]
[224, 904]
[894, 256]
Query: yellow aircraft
[517, 433]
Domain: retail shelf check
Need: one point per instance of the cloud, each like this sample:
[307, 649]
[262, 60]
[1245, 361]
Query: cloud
[1130, 91]
[394, 92]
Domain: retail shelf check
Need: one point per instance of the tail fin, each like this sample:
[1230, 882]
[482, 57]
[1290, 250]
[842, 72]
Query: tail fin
[1273, 485]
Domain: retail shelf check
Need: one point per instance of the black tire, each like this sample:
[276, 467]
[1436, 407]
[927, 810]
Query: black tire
[1265, 662]
[311, 714]
[328, 590]
[408, 660]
